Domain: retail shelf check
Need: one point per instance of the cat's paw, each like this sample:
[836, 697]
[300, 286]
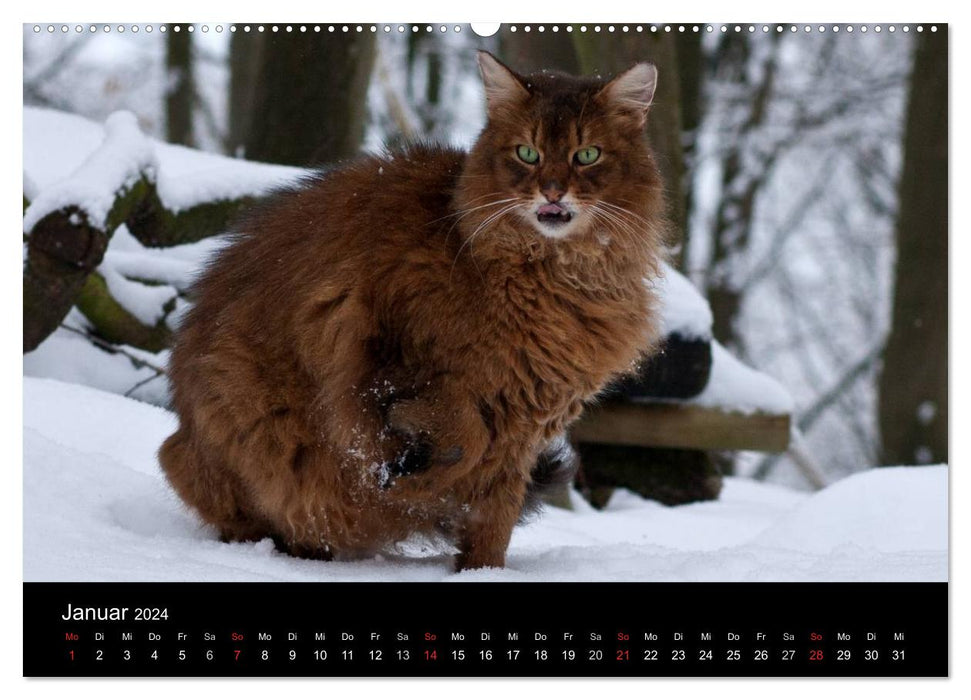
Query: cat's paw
[419, 455]
[422, 449]
[416, 457]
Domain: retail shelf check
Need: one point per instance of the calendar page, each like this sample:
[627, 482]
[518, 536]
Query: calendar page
[499, 350]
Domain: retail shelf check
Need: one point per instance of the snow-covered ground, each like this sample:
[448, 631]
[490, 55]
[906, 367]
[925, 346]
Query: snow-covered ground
[96, 508]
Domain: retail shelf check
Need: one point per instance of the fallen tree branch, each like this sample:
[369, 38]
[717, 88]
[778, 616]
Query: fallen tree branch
[116, 324]
[114, 349]
[68, 226]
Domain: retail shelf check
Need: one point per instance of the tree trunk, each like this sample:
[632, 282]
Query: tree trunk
[64, 249]
[533, 52]
[610, 54]
[740, 186]
[913, 384]
[245, 58]
[310, 100]
[427, 105]
[691, 75]
[180, 94]
[61, 255]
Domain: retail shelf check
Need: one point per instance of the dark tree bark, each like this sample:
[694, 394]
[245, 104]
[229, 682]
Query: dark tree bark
[309, 104]
[64, 250]
[740, 186]
[181, 92]
[913, 384]
[113, 323]
[610, 54]
[535, 51]
[428, 104]
[245, 58]
[61, 255]
[691, 75]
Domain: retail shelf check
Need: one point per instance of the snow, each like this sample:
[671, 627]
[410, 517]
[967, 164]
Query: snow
[121, 159]
[57, 144]
[97, 508]
[735, 387]
[145, 302]
[192, 177]
[69, 357]
[147, 265]
[895, 500]
[683, 310]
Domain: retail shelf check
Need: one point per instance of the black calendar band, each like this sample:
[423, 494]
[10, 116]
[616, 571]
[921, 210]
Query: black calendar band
[485, 629]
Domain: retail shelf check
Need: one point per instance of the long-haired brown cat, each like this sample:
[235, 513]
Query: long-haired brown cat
[388, 349]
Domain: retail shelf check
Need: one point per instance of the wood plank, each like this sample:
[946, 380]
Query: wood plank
[681, 426]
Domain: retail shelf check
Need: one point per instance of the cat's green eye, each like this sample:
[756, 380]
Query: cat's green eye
[527, 154]
[588, 155]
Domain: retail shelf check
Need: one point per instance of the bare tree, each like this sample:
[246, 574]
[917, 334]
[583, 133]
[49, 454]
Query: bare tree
[245, 58]
[529, 53]
[309, 102]
[740, 185]
[691, 74]
[913, 385]
[180, 88]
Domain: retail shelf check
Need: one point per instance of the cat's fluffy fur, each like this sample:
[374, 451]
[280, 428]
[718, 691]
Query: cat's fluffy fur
[387, 349]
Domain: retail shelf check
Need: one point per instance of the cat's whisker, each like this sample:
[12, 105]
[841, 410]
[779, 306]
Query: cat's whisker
[466, 212]
[492, 218]
[610, 225]
[624, 217]
[622, 228]
[648, 231]
[625, 210]
[619, 225]
[483, 196]
[485, 224]
[462, 212]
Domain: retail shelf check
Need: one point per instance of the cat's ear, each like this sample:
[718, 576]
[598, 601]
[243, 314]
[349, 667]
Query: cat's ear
[633, 90]
[502, 86]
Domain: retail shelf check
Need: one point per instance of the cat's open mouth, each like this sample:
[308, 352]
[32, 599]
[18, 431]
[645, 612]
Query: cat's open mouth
[553, 214]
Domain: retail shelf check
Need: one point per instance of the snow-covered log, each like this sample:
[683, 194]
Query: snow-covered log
[157, 227]
[68, 225]
[118, 325]
[165, 196]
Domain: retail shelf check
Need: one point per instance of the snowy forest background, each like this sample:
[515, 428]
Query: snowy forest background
[806, 169]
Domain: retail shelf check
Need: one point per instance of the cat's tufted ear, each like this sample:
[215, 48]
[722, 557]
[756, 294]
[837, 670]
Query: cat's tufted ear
[502, 86]
[633, 90]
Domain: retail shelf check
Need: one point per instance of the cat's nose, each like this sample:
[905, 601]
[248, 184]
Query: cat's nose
[552, 191]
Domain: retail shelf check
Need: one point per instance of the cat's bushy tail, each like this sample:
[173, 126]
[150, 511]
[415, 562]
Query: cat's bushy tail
[555, 469]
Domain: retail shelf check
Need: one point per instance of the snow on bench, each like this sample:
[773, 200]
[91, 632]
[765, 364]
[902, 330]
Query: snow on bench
[739, 408]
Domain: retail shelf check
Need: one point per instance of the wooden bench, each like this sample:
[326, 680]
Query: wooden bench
[682, 426]
[660, 432]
